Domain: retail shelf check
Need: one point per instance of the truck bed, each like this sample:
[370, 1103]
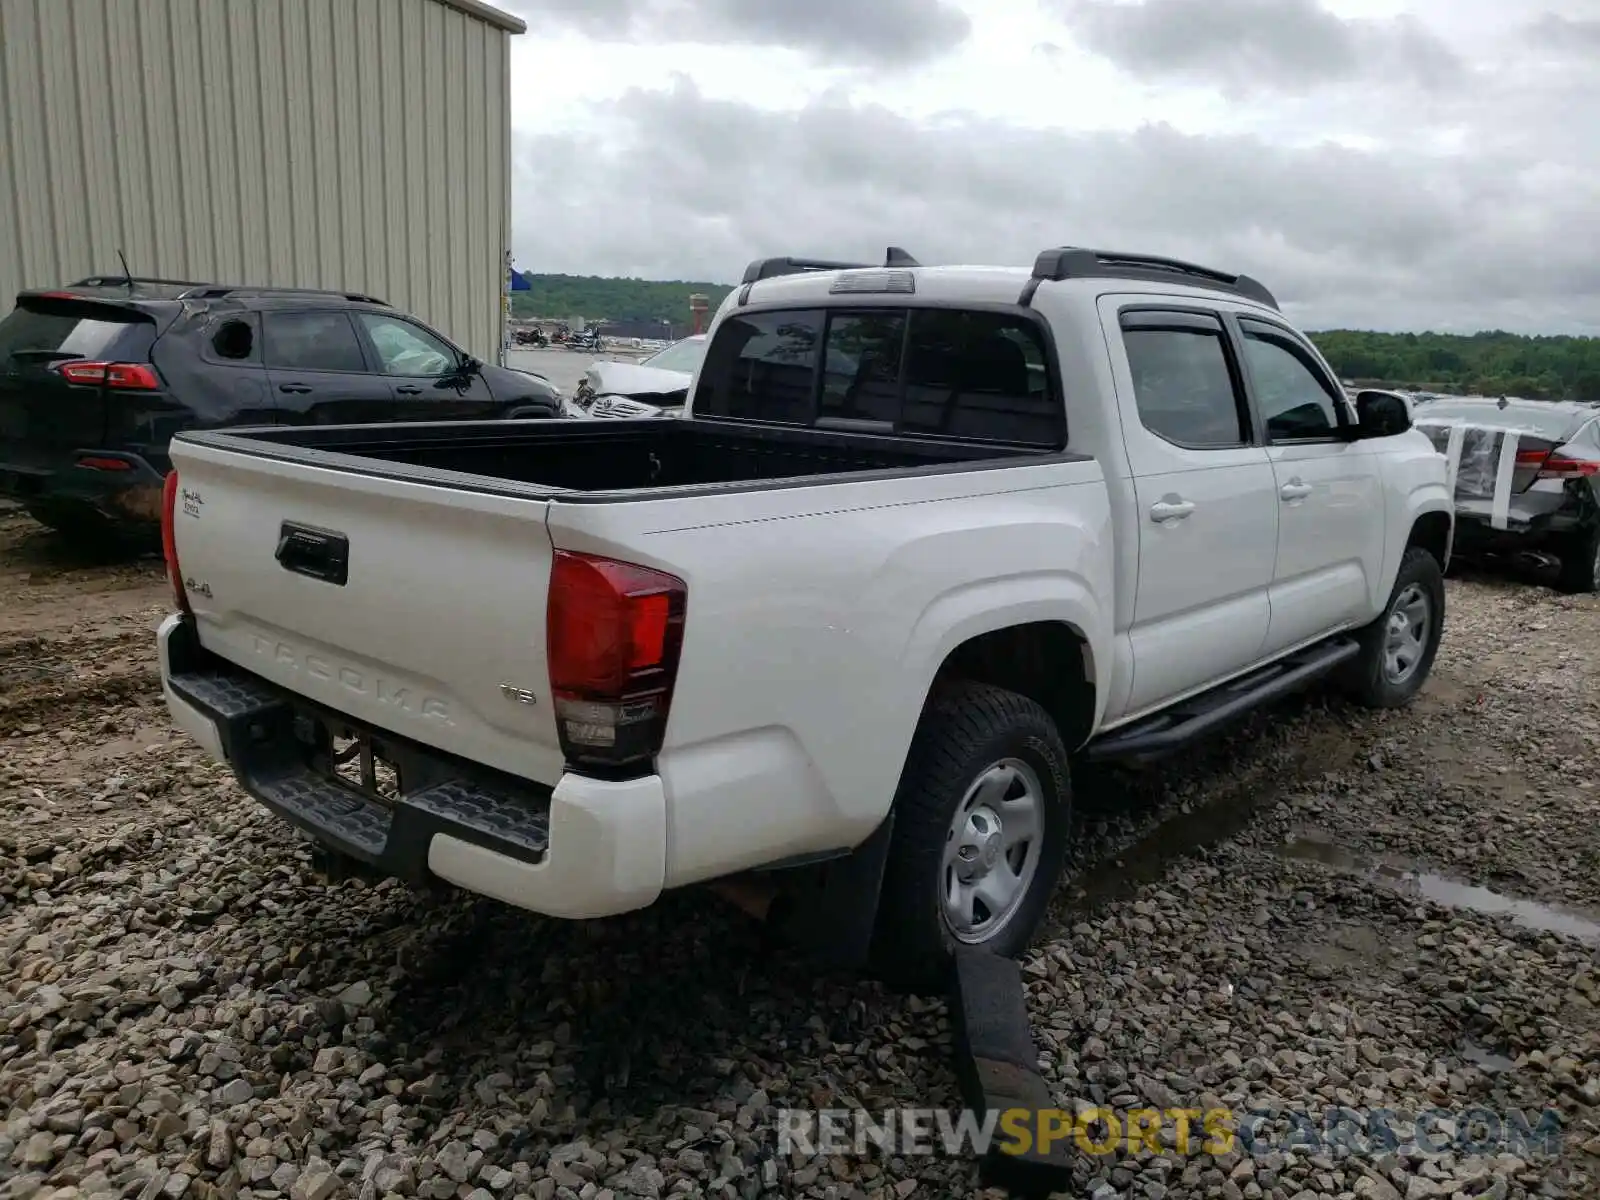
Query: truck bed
[596, 458]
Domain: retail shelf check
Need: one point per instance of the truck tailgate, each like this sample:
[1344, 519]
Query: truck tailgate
[434, 628]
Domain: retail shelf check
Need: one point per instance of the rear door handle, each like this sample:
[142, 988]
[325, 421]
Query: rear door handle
[1170, 510]
[1295, 490]
[293, 388]
[408, 390]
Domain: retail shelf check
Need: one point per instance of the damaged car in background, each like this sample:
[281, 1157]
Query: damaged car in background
[658, 386]
[1526, 478]
[96, 378]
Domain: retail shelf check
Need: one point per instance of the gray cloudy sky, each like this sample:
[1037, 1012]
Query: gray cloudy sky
[1390, 164]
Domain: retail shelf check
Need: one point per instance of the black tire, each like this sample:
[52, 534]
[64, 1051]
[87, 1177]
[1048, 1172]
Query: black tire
[1367, 678]
[965, 730]
[1580, 563]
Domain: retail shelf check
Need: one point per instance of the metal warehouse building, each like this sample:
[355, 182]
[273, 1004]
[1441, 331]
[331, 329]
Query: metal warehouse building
[359, 145]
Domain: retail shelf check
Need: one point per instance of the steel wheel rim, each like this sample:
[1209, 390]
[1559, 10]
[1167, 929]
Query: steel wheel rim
[992, 851]
[1406, 640]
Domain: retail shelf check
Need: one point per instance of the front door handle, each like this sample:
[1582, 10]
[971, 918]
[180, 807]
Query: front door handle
[1295, 490]
[293, 388]
[408, 390]
[1170, 510]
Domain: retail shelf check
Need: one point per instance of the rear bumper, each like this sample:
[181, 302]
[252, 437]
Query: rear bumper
[586, 848]
[127, 496]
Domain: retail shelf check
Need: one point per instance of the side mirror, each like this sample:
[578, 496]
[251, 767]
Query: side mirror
[1381, 414]
[470, 365]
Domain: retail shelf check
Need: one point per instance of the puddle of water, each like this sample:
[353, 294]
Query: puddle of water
[1451, 893]
[1177, 837]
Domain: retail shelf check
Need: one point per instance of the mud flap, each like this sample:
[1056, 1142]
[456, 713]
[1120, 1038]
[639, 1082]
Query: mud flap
[831, 910]
[996, 1063]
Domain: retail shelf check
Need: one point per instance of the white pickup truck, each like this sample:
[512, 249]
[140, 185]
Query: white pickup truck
[924, 536]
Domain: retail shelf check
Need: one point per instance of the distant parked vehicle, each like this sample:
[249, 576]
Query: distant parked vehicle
[1527, 478]
[656, 386]
[589, 339]
[96, 377]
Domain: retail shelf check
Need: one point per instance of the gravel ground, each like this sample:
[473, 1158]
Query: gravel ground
[186, 1009]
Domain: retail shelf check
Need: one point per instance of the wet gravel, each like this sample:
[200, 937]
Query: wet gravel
[188, 1010]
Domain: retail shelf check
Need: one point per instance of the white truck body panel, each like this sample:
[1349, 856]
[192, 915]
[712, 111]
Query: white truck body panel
[819, 611]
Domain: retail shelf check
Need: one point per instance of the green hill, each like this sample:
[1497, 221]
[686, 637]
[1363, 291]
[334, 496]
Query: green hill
[1493, 363]
[596, 297]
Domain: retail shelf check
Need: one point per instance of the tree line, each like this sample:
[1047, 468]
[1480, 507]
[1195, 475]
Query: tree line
[1491, 363]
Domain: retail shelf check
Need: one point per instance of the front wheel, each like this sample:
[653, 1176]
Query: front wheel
[1398, 649]
[980, 834]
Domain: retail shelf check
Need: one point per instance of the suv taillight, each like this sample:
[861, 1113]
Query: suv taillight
[128, 376]
[613, 633]
[169, 540]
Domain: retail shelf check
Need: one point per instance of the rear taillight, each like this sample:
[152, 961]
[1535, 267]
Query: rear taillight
[96, 462]
[1553, 464]
[613, 634]
[169, 540]
[132, 376]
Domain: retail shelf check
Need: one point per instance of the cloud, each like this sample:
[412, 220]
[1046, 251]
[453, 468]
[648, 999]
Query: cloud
[892, 33]
[1575, 37]
[671, 184]
[1252, 46]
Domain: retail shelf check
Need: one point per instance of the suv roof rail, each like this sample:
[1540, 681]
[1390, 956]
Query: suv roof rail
[1076, 262]
[216, 291]
[771, 268]
[124, 280]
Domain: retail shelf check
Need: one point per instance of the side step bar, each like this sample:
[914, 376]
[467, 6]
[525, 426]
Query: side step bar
[1184, 722]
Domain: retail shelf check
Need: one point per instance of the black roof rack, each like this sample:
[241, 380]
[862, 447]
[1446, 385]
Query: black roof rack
[216, 291]
[1075, 262]
[771, 268]
[124, 280]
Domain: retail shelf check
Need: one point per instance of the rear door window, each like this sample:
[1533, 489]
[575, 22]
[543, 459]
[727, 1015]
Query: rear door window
[975, 376]
[311, 341]
[1183, 381]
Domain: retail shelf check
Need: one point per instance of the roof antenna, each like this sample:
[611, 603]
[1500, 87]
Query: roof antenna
[896, 257]
[127, 275]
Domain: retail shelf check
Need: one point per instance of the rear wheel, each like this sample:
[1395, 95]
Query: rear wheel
[1580, 563]
[1398, 649]
[980, 834]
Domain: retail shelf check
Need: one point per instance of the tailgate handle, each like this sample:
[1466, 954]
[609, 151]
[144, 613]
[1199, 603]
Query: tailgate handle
[318, 553]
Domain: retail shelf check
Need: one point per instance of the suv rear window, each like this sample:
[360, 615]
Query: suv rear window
[49, 333]
[974, 376]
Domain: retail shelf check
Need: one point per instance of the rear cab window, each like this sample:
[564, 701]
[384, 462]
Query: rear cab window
[925, 372]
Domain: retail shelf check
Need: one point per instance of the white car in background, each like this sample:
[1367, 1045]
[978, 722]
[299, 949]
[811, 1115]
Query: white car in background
[656, 386]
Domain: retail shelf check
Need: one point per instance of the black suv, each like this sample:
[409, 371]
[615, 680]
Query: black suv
[96, 377]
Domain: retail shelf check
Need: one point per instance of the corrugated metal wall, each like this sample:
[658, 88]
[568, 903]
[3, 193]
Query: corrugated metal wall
[352, 144]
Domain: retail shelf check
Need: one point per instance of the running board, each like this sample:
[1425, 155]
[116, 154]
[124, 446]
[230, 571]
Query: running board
[1189, 719]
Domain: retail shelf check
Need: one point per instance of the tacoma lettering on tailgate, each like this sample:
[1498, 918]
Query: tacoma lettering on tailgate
[371, 686]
